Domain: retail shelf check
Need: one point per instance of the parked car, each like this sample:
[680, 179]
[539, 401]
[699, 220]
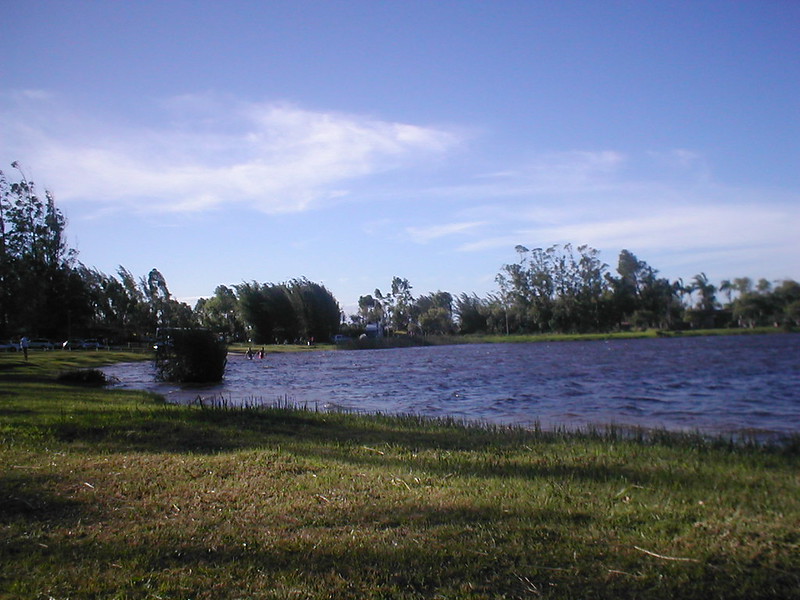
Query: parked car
[78, 344]
[9, 346]
[41, 344]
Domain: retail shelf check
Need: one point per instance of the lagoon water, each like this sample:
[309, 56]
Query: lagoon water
[719, 384]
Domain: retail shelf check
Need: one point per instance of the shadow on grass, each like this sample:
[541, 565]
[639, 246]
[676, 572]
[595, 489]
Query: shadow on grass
[425, 553]
[32, 497]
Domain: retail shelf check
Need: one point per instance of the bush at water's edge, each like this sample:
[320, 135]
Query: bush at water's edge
[191, 356]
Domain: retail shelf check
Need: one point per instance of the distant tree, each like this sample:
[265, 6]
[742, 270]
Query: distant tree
[765, 304]
[316, 309]
[396, 304]
[787, 301]
[752, 309]
[221, 314]
[157, 293]
[403, 302]
[592, 290]
[503, 317]
[263, 309]
[707, 292]
[793, 313]
[554, 289]
[472, 314]
[167, 311]
[639, 292]
[135, 312]
[299, 309]
[727, 288]
[743, 285]
[528, 290]
[370, 310]
[6, 276]
[433, 314]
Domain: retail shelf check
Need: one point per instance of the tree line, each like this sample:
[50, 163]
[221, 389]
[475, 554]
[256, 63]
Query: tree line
[562, 289]
[46, 291]
[567, 290]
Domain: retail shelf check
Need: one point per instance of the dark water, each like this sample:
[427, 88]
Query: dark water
[710, 384]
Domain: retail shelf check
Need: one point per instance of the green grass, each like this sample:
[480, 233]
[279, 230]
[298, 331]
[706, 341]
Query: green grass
[107, 494]
[48, 364]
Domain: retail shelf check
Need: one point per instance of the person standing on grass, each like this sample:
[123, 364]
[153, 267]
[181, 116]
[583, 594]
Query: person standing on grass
[24, 343]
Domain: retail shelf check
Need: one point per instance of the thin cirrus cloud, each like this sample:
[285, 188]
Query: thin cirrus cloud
[701, 227]
[564, 172]
[423, 235]
[272, 157]
[665, 204]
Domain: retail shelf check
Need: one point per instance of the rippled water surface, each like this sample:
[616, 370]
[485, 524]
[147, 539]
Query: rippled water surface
[713, 384]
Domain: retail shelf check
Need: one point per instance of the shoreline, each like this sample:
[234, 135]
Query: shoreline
[403, 341]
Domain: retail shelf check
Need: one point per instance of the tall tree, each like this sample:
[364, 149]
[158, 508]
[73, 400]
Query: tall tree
[370, 310]
[397, 303]
[472, 313]
[221, 314]
[403, 302]
[528, 290]
[268, 312]
[40, 290]
[707, 292]
[6, 278]
[316, 309]
[641, 297]
[157, 293]
[433, 313]
[552, 289]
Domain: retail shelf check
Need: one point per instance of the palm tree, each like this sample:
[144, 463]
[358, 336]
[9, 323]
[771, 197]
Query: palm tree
[681, 290]
[707, 290]
[727, 288]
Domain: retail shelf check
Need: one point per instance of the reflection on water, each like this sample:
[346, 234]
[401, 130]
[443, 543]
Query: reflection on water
[713, 384]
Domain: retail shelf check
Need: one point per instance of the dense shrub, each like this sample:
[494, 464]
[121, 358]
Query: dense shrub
[84, 377]
[191, 356]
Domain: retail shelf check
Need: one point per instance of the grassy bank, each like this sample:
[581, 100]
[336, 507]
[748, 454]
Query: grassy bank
[109, 494]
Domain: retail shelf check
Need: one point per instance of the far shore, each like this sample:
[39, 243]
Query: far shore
[403, 340]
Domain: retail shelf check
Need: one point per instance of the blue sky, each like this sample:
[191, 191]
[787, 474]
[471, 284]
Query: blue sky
[349, 142]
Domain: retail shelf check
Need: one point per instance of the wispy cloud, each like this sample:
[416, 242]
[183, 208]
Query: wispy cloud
[671, 228]
[212, 151]
[423, 235]
[664, 205]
